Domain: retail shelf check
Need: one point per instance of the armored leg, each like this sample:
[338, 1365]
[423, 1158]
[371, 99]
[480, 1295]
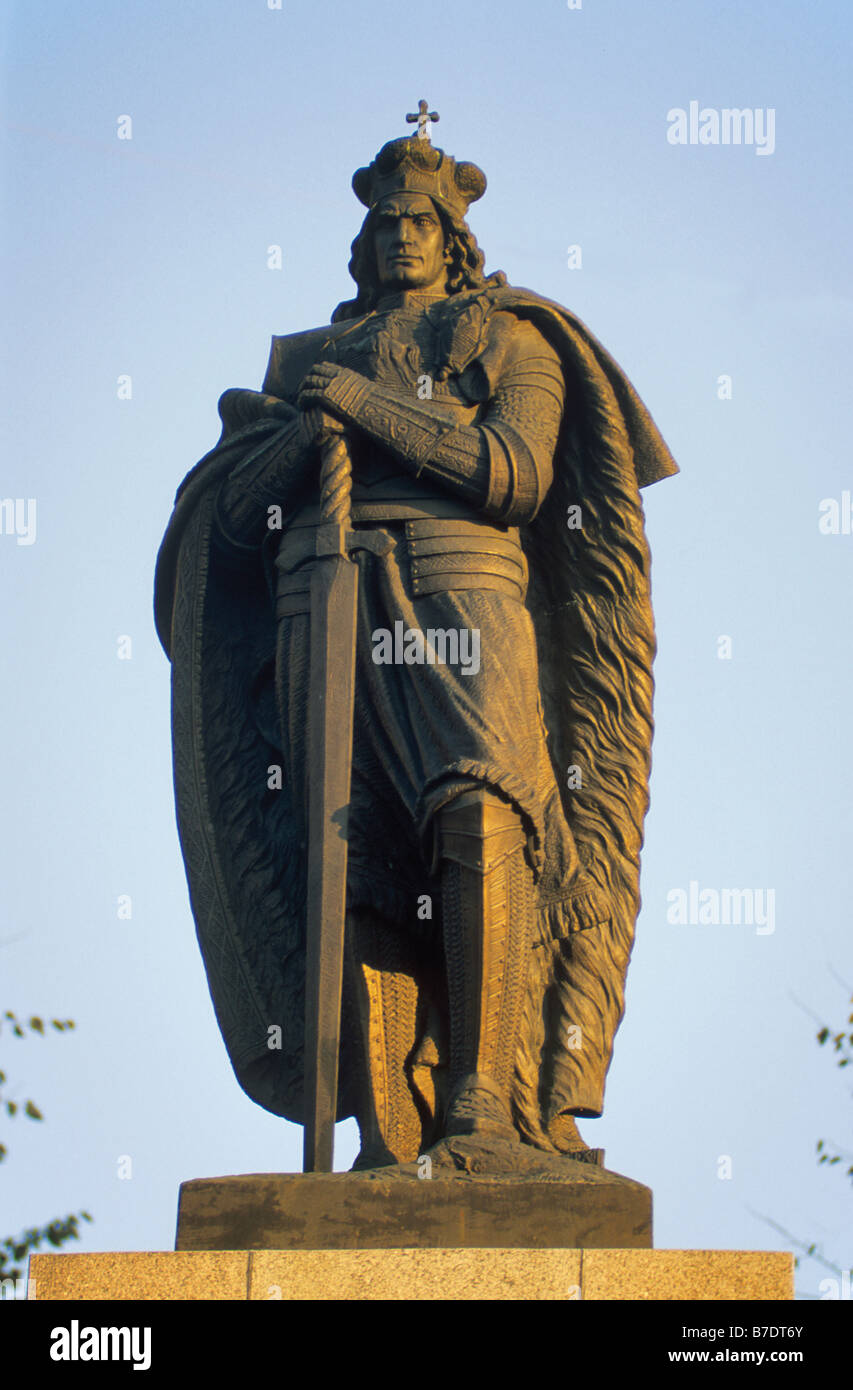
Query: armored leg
[487, 914]
[383, 994]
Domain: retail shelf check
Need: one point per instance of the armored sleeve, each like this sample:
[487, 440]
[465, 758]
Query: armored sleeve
[503, 464]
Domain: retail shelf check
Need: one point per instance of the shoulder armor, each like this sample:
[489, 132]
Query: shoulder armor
[506, 341]
[294, 354]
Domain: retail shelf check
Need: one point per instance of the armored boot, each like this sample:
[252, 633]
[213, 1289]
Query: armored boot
[383, 995]
[487, 914]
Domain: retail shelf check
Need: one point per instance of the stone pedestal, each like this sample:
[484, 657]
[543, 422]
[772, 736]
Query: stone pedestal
[571, 1231]
[583, 1207]
[416, 1274]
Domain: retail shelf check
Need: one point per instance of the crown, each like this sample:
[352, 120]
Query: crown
[412, 165]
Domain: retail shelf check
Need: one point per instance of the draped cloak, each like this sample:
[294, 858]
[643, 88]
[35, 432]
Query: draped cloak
[589, 598]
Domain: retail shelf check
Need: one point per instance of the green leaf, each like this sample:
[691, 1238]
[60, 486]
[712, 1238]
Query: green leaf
[37, 1025]
[11, 1107]
[33, 1111]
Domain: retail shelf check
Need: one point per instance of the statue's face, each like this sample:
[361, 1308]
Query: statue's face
[409, 241]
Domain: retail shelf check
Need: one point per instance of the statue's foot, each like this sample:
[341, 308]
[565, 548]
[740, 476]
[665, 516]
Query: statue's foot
[490, 1155]
[373, 1157]
[478, 1106]
[563, 1132]
[482, 1154]
[566, 1136]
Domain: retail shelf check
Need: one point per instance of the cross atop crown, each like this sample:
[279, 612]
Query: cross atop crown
[423, 116]
[412, 164]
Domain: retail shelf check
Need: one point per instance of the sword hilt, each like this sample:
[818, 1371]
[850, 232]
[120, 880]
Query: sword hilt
[335, 481]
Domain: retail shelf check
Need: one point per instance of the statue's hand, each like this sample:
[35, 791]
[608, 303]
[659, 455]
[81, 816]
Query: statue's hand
[332, 388]
[316, 428]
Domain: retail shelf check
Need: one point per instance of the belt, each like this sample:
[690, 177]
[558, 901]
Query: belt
[437, 554]
[391, 508]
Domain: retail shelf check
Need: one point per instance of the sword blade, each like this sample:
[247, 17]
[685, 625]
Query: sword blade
[334, 595]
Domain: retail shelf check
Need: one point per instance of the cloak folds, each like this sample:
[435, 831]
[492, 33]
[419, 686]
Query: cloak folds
[589, 596]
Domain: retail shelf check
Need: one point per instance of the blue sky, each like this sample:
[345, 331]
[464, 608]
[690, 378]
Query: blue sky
[147, 257]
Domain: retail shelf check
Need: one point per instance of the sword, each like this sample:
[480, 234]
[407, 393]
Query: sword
[334, 597]
[332, 655]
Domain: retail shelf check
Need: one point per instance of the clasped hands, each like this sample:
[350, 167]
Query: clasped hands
[319, 399]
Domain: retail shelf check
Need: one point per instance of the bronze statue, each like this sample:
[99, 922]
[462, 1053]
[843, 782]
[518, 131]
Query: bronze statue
[406, 601]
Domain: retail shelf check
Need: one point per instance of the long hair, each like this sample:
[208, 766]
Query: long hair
[465, 271]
